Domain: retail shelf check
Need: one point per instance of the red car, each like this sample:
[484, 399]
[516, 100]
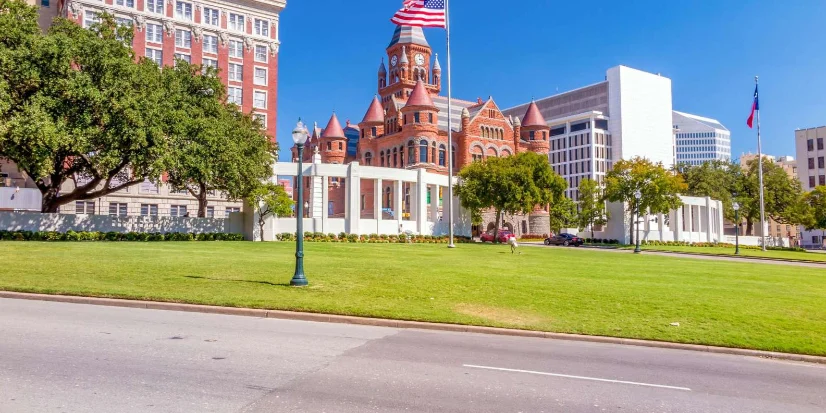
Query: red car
[504, 236]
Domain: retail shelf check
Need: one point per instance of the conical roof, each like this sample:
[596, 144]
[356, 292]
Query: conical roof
[533, 117]
[409, 35]
[333, 129]
[382, 68]
[403, 59]
[436, 65]
[375, 113]
[420, 96]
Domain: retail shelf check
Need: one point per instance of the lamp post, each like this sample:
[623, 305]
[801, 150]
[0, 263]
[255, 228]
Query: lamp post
[299, 137]
[736, 207]
[638, 196]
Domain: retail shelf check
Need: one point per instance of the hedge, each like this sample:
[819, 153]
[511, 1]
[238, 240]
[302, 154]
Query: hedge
[114, 236]
[716, 244]
[372, 238]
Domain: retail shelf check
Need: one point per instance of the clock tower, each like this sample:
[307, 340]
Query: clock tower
[409, 56]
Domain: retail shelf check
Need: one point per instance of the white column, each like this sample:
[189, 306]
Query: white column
[720, 221]
[397, 202]
[434, 204]
[325, 202]
[378, 192]
[353, 204]
[678, 224]
[709, 222]
[421, 202]
[661, 226]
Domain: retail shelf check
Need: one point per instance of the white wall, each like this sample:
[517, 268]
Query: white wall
[640, 110]
[20, 199]
[35, 221]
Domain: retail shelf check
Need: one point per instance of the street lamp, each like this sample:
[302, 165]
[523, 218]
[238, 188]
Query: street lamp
[736, 207]
[299, 137]
[638, 196]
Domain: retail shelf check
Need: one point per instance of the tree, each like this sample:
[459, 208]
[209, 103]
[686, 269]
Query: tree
[591, 206]
[659, 188]
[217, 148]
[562, 214]
[270, 200]
[719, 180]
[783, 195]
[816, 202]
[511, 185]
[77, 107]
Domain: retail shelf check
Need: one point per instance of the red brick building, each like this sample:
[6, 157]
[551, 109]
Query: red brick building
[406, 126]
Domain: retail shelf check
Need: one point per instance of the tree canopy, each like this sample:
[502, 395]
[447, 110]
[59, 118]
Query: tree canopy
[816, 203]
[563, 214]
[591, 206]
[511, 185]
[659, 188]
[269, 200]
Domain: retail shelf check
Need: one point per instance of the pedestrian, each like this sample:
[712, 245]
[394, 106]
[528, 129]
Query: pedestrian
[514, 245]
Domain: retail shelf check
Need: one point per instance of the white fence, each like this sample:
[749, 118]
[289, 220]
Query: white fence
[35, 221]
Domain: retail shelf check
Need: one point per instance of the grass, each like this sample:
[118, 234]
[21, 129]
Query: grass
[747, 305]
[786, 255]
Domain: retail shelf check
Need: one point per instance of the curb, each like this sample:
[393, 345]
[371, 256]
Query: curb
[381, 322]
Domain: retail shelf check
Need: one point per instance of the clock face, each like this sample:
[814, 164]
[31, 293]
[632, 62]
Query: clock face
[394, 60]
[419, 59]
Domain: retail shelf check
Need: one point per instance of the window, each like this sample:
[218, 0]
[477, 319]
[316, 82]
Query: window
[149, 210]
[340, 146]
[430, 117]
[531, 135]
[423, 151]
[820, 144]
[261, 118]
[210, 63]
[154, 33]
[85, 207]
[260, 76]
[262, 27]
[44, 3]
[373, 131]
[210, 212]
[148, 187]
[154, 6]
[236, 49]
[236, 22]
[232, 209]
[125, 3]
[811, 182]
[811, 163]
[329, 146]
[183, 11]
[183, 56]
[416, 117]
[259, 101]
[210, 44]
[442, 156]
[234, 95]
[261, 53]
[368, 159]
[820, 162]
[411, 154]
[177, 210]
[183, 38]
[810, 144]
[821, 180]
[118, 209]
[90, 18]
[155, 55]
[210, 16]
[236, 72]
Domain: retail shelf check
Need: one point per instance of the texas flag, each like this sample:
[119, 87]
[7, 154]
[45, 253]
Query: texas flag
[754, 107]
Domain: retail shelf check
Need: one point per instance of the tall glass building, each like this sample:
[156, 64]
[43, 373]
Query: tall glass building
[699, 139]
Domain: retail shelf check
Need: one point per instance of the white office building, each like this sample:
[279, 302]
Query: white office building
[700, 139]
[811, 171]
[629, 114]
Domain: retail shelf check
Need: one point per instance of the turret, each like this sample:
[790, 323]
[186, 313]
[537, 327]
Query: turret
[535, 130]
[437, 72]
[465, 119]
[333, 142]
[517, 133]
[372, 125]
[404, 64]
[382, 75]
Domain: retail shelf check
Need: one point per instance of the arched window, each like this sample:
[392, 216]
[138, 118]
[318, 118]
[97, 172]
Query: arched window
[442, 155]
[423, 152]
[484, 132]
[368, 158]
[477, 154]
[381, 156]
[411, 153]
[501, 134]
[433, 153]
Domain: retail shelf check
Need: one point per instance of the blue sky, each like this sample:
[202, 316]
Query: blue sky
[512, 51]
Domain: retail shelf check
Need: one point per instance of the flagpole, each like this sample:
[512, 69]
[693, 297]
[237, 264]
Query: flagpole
[449, 131]
[760, 174]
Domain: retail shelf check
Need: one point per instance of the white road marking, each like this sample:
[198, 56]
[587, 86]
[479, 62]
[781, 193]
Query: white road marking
[541, 373]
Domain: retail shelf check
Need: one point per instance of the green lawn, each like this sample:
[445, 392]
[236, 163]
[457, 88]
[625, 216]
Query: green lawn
[787, 255]
[750, 305]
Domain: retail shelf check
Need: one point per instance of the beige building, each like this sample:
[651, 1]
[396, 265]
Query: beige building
[48, 11]
[789, 164]
[811, 152]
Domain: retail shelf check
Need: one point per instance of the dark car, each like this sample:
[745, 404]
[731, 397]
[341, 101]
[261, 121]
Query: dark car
[504, 236]
[564, 240]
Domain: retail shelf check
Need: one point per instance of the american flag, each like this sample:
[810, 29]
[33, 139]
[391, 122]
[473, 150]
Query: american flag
[421, 13]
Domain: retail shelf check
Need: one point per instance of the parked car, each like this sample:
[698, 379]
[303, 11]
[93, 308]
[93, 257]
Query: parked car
[564, 240]
[504, 236]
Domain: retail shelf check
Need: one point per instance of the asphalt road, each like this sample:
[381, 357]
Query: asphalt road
[57, 357]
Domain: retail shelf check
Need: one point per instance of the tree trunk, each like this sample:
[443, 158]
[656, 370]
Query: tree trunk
[749, 227]
[202, 201]
[631, 231]
[50, 204]
[261, 223]
[496, 226]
